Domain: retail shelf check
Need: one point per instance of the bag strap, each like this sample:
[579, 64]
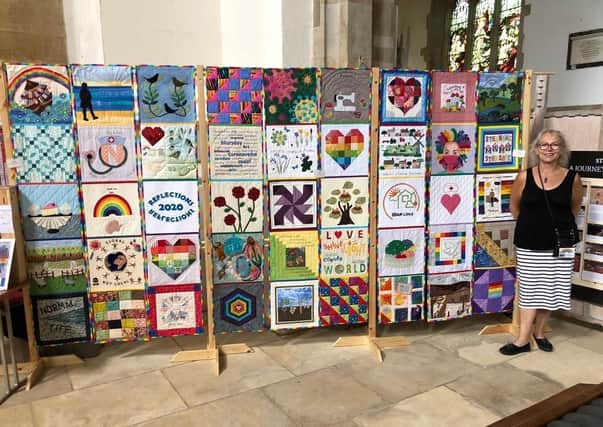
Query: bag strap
[546, 199]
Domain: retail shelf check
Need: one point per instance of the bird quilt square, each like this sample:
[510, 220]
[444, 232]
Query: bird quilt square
[61, 319]
[107, 153]
[291, 95]
[404, 96]
[494, 244]
[401, 298]
[344, 252]
[119, 316]
[451, 199]
[166, 94]
[293, 255]
[55, 266]
[103, 95]
[453, 97]
[173, 259]
[496, 149]
[171, 206]
[345, 95]
[343, 301]
[344, 202]
[294, 304]
[493, 290]
[234, 95]
[292, 205]
[345, 150]
[449, 296]
[453, 149]
[169, 151]
[450, 248]
[499, 97]
[237, 206]
[45, 153]
[115, 264]
[38, 94]
[235, 152]
[291, 151]
[239, 308]
[401, 251]
[238, 257]
[494, 197]
[111, 209]
[401, 202]
[402, 150]
[175, 310]
[50, 211]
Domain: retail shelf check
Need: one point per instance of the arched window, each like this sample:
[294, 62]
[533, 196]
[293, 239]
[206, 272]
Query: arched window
[484, 35]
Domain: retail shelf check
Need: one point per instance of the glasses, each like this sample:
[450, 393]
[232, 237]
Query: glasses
[554, 146]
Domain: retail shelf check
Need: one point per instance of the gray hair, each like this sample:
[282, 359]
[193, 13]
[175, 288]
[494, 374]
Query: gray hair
[564, 151]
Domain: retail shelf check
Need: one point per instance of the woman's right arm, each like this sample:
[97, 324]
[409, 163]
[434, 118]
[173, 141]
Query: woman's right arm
[516, 191]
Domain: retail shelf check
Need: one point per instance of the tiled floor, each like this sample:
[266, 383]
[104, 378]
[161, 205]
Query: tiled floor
[448, 375]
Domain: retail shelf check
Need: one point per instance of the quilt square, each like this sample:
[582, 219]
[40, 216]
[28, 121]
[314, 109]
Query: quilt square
[7, 249]
[111, 209]
[115, 264]
[291, 151]
[166, 94]
[55, 267]
[401, 202]
[451, 199]
[494, 197]
[119, 316]
[345, 95]
[61, 319]
[234, 95]
[344, 202]
[237, 206]
[293, 255]
[453, 149]
[103, 95]
[401, 298]
[344, 252]
[175, 310]
[169, 151]
[496, 149]
[402, 150]
[107, 153]
[38, 94]
[401, 252]
[239, 308]
[450, 248]
[499, 97]
[292, 205]
[453, 97]
[173, 259]
[294, 304]
[238, 257]
[235, 152]
[46, 153]
[493, 290]
[343, 301]
[494, 244]
[345, 149]
[449, 296]
[50, 211]
[171, 206]
[291, 95]
[404, 96]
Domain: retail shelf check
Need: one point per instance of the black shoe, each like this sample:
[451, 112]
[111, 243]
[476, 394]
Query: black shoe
[512, 349]
[543, 344]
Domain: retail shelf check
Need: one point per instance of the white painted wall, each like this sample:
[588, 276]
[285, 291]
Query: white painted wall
[83, 31]
[546, 32]
[298, 25]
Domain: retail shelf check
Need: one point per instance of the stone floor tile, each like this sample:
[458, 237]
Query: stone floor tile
[485, 352]
[191, 342]
[323, 397]
[438, 407]
[54, 382]
[504, 389]
[16, 416]
[562, 330]
[197, 382]
[592, 341]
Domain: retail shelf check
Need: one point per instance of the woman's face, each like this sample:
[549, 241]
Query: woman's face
[548, 149]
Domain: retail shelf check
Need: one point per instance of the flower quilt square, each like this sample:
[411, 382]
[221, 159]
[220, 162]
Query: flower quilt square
[494, 197]
[235, 152]
[173, 259]
[169, 151]
[449, 296]
[293, 255]
[111, 209]
[171, 206]
[493, 290]
[345, 149]
[239, 308]
[237, 206]
[344, 202]
[291, 95]
[401, 251]
[175, 310]
[402, 150]
[450, 248]
[401, 202]
[61, 319]
[453, 149]
[291, 151]
[401, 298]
[238, 257]
[292, 205]
[115, 264]
[494, 244]
[343, 301]
[453, 97]
[294, 304]
[499, 97]
[119, 316]
[496, 148]
[404, 96]
[344, 252]
[451, 199]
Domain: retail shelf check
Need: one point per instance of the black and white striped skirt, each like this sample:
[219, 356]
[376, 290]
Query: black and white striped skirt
[545, 282]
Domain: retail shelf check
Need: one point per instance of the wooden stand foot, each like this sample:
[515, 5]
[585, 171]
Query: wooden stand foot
[211, 354]
[375, 345]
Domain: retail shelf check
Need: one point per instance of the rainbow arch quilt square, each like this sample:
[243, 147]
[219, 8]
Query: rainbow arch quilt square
[493, 290]
[343, 301]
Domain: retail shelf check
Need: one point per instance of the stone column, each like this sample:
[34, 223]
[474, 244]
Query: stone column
[83, 31]
[385, 33]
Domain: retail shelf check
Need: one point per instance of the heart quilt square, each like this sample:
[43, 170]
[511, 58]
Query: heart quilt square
[173, 259]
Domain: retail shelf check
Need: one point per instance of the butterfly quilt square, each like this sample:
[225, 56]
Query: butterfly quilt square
[235, 152]
[493, 290]
[499, 97]
[402, 150]
[119, 316]
[453, 149]
[450, 248]
[494, 197]
[451, 199]
[404, 97]
[292, 205]
[345, 95]
[449, 296]
[171, 206]
[111, 209]
[496, 149]
[294, 304]
[401, 298]
[401, 251]
[453, 97]
[345, 150]
[344, 202]
[401, 202]
[169, 151]
[291, 151]
[239, 308]
[291, 95]
[173, 259]
[238, 257]
[115, 264]
[175, 310]
[61, 319]
[344, 252]
[293, 255]
[237, 206]
[494, 244]
[343, 301]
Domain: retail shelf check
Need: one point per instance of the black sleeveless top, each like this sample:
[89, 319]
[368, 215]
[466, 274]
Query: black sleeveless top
[534, 228]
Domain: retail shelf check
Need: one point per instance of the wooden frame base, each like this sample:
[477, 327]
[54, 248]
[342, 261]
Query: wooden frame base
[211, 354]
[375, 344]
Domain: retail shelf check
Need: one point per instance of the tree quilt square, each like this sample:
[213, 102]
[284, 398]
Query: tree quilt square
[451, 199]
[401, 298]
[453, 149]
[494, 197]
[237, 206]
[401, 251]
[344, 202]
[235, 152]
[493, 290]
[401, 202]
[115, 264]
[291, 95]
[119, 316]
[291, 151]
[402, 150]
[239, 308]
[496, 148]
[344, 252]
[238, 257]
[449, 296]
[292, 205]
[499, 97]
[175, 310]
[450, 248]
[169, 151]
[171, 206]
[343, 301]
[234, 95]
[404, 96]
[61, 319]
[293, 255]
[173, 259]
[494, 244]
[453, 97]
[345, 149]
[294, 304]
[345, 95]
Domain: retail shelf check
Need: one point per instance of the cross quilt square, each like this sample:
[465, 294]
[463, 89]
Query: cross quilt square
[238, 257]
[293, 205]
[119, 316]
[293, 255]
[239, 308]
[453, 97]
[401, 298]
[344, 252]
[401, 202]
[449, 296]
[294, 304]
[402, 150]
[237, 206]
[494, 244]
[494, 197]
[496, 149]
[401, 251]
[343, 301]
[493, 290]
[404, 96]
[169, 151]
[291, 95]
[115, 264]
[291, 151]
[450, 248]
[111, 209]
[235, 152]
[344, 202]
[345, 95]
[173, 259]
[345, 149]
[175, 310]
[451, 199]
[171, 206]
[453, 149]
[61, 319]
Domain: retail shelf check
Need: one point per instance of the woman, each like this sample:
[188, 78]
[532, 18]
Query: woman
[544, 280]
